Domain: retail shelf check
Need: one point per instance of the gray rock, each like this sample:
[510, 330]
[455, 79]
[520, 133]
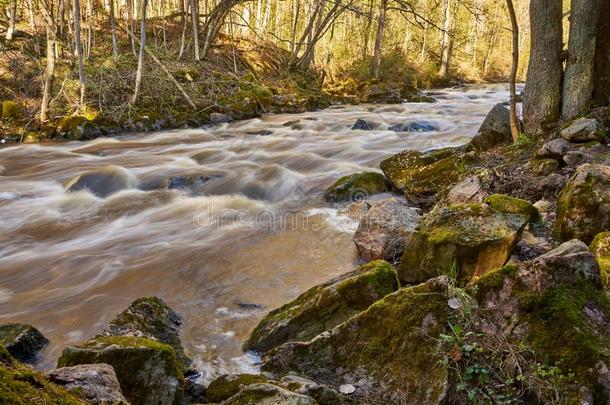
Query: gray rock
[268, 394]
[96, 383]
[151, 318]
[22, 341]
[103, 182]
[469, 190]
[554, 149]
[219, 118]
[584, 130]
[417, 126]
[577, 158]
[385, 228]
[363, 125]
[495, 129]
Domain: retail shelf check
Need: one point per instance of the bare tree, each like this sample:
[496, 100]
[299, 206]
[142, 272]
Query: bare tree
[115, 48]
[514, 122]
[12, 15]
[195, 21]
[383, 8]
[445, 51]
[138, 84]
[578, 77]
[49, 76]
[79, 50]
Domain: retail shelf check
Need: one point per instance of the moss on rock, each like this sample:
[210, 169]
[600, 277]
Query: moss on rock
[20, 384]
[268, 394]
[324, 306]
[228, 385]
[22, 341]
[512, 205]
[388, 352]
[600, 247]
[356, 187]
[147, 370]
[10, 110]
[584, 203]
[464, 241]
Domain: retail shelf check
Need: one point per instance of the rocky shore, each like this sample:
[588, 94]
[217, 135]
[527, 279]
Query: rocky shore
[484, 279]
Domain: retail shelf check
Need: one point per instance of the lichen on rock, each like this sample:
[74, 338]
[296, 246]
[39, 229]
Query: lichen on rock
[324, 306]
[600, 247]
[512, 205]
[465, 241]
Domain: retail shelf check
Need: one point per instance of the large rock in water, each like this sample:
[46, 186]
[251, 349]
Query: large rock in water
[356, 187]
[583, 207]
[422, 175]
[384, 229]
[324, 306]
[103, 182]
[95, 383]
[22, 341]
[20, 384]
[495, 130]
[388, 353]
[147, 370]
[464, 241]
[152, 318]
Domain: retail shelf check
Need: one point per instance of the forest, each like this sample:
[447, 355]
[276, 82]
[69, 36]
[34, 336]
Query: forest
[304, 202]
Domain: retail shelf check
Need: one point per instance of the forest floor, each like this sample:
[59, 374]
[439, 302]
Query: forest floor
[241, 78]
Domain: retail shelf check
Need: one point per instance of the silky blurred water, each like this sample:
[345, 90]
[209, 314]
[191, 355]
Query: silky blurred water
[253, 232]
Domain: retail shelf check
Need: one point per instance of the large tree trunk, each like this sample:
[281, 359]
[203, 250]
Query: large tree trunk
[578, 77]
[379, 38]
[444, 70]
[514, 122]
[195, 22]
[542, 96]
[12, 15]
[136, 90]
[601, 71]
[79, 51]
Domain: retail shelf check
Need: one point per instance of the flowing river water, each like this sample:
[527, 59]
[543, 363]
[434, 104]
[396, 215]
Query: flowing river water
[246, 231]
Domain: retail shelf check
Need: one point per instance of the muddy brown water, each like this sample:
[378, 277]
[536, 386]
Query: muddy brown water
[248, 232]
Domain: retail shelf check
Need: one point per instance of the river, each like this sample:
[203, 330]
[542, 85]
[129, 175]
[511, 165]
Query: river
[248, 232]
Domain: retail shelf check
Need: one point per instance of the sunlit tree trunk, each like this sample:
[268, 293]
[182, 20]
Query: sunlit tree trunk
[184, 9]
[578, 77]
[115, 48]
[542, 95]
[138, 84]
[79, 50]
[12, 16]
[379, 38]
[49, 75]
[130, 25]
[514, 122]
[195, 22]
[444, 69]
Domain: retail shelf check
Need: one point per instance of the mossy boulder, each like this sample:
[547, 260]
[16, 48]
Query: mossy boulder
[324, 306]
[583, 206]
[150, 317]
[148, 371]
[20, 384]
[388, 353]
[600, 247]
[225, 386]
[554, 307]
[422, 175]
[10, 110]
[356, 187]
[268, 394]
[495, 129]
[22, 341]
[76, 127]
[464, 241]
[512, 205]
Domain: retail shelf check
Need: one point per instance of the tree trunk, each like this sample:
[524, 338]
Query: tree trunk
[195, 22]
[444, 70]
[379, 38]
[184, 8]
[514, 122]
[31, 15]
[115, 48]
[136, 90]
[12, 15]
[130, 25]
[578, 77]
[601, 75]
[542, 95]
[79, 50]
[50, 69]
